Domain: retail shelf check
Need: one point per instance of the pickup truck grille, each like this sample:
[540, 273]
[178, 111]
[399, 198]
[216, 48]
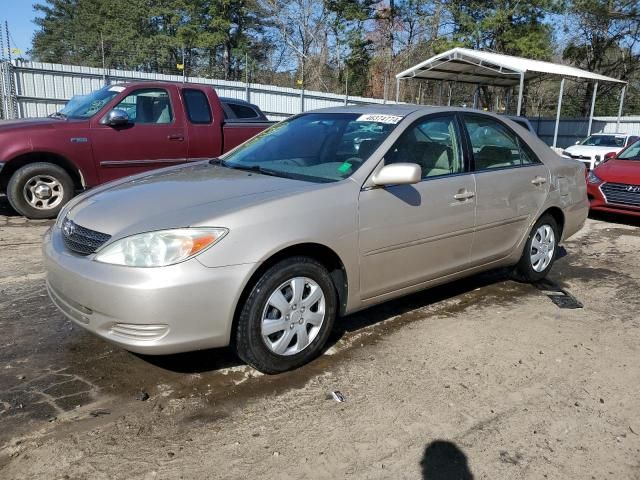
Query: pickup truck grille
[622, 194]
[82, 240]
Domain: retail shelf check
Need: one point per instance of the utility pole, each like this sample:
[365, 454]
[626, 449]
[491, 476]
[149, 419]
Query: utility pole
[246, 77]
[184, 65]
[346, 86]
[104, 68]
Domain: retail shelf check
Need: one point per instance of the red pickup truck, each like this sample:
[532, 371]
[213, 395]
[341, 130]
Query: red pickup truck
[116, 131]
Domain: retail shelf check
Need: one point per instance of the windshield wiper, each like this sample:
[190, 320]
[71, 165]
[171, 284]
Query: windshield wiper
[58, 115]
[255, 168]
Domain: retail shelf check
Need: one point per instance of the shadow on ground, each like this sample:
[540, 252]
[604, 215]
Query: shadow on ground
[491, 287]
[443, 460]
[615, 218]
[6, 209]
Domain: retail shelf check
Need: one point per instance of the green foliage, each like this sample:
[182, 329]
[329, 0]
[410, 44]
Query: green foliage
[359, 43]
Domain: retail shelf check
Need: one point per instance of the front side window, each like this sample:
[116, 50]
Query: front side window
[631, 153]
[495, 146]
[148, 105]
[197, 106]
[432, 143]
[318, 147]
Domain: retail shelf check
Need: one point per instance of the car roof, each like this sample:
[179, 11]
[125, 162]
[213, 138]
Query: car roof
[236, 100]
[617, 134]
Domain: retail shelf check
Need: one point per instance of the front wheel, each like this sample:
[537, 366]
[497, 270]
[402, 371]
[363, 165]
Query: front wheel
[540, 250]
[287, 317]
[39, 190]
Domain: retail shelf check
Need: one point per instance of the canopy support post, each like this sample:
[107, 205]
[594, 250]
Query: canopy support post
[520, 93]
[555, 130]
[593, 106]
[397, 90]
[624, 89]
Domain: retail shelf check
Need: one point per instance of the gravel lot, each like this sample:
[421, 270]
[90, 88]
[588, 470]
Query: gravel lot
[485, 378]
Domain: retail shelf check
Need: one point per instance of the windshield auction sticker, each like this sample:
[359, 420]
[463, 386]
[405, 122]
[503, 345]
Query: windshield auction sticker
[379, 117]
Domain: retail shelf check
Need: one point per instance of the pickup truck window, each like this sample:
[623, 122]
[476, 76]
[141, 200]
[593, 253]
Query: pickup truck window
[148, 105]
[197, 106]
[242, 111]
[316, 147]
[86, 106]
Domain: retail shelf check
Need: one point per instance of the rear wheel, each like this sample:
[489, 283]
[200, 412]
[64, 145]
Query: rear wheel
[39, 190]
[287, 317]
[540, 250]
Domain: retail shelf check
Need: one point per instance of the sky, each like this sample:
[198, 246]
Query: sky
[20, 15]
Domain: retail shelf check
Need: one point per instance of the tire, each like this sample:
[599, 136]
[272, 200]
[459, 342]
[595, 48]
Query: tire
[544, 232]
[280, 350]
[39, 190]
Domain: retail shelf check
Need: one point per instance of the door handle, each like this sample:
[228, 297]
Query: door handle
[466, 195]
[176, 137]
[539, 181]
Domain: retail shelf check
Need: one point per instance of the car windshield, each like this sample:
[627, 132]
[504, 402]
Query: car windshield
[86, 106]
[604, 141]
[317, 147]
[631, 153]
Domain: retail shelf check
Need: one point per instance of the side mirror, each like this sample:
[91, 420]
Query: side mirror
[398, 174]
[117, 117]
[577, 142]
[610, 156]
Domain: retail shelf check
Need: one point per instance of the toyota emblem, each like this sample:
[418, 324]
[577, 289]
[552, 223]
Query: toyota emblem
[68, 228]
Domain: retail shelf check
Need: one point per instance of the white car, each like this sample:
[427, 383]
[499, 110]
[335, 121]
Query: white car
[592, 150]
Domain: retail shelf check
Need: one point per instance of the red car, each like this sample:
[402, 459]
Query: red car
[614, 185]
[113, 132]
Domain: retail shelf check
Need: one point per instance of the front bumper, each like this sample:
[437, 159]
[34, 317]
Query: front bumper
[155, 311]
[598, 202]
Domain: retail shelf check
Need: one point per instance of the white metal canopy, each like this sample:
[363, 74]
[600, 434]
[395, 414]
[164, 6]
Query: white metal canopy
[487, 68]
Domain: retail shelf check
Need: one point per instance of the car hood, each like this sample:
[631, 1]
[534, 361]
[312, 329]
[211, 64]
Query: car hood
[176, 198]
[29, 124]
[619, 171]
[590, 149]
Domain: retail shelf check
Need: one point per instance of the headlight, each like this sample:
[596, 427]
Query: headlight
[162, 248]
[593, 179]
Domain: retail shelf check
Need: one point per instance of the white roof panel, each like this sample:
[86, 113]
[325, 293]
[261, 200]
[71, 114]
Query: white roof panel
[477, 66]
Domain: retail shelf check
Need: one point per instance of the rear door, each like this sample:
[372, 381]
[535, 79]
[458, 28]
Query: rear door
[154, 137]
[410, 234]
[204, 130]
[511, 186]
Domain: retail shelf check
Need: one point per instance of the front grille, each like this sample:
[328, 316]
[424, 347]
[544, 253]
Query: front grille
[622, 194]
[82, 240]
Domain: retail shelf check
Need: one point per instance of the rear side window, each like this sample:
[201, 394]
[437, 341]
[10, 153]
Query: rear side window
[495, 146]
[197, 105]
[242, 111]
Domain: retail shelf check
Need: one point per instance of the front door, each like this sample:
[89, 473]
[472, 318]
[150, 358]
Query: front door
[410, 234]
[511, 187]
[152, 139]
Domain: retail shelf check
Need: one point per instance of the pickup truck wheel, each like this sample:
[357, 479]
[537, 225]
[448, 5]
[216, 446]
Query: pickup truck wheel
[287, 317]
[39, 190]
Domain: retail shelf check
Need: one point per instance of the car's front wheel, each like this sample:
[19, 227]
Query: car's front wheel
[287, 317]
[540, 250]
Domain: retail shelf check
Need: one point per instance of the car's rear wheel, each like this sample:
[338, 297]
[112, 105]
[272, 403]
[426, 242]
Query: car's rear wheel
[287, 317]
[540, 250]
[39, 190]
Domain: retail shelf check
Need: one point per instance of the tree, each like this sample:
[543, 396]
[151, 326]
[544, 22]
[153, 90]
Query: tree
[605, 38]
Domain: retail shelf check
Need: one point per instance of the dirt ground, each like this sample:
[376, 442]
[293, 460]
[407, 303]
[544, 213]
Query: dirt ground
[484, 379]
